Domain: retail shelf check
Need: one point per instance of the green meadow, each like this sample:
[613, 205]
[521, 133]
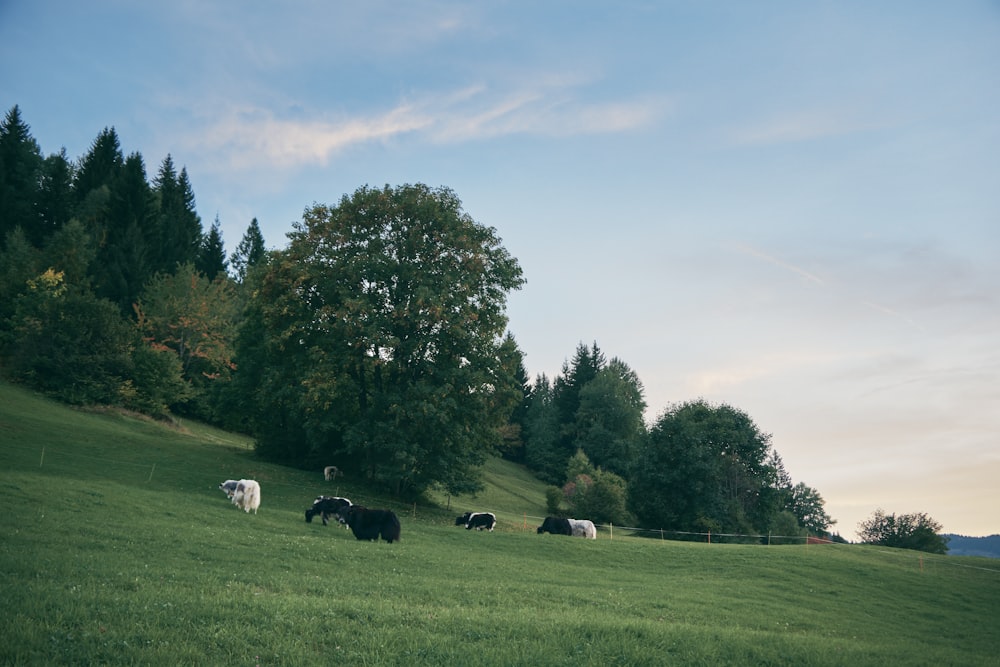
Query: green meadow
[118, 548]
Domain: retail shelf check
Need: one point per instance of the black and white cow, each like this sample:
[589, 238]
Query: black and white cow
[572, 527]
[326, 506]
[369, 524]
[477, 520]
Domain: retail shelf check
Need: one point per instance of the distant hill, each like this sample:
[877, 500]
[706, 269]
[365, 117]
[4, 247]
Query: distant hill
[986, 547]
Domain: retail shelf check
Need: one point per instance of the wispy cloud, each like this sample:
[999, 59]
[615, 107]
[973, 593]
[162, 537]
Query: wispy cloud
[753, 252]
[248, 137]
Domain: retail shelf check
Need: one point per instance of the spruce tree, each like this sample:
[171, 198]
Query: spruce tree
[123, 264]
[96, 174]
[249, 252]
[20, 175]
[100, 166]
[212, 254]
[178, 228]
[56, 198]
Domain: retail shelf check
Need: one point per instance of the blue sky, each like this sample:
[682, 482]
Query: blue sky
[792, 208]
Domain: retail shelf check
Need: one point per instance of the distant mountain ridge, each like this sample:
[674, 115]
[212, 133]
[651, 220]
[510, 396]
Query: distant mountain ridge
[986, 547]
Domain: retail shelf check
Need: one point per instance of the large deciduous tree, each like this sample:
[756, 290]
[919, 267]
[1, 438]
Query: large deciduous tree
[195, 318]
[387, 312]
[704, 467]
[906, 531]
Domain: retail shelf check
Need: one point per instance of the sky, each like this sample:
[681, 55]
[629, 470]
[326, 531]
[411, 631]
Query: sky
[790, 208]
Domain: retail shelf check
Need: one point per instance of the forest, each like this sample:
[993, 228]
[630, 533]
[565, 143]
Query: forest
[375, 339]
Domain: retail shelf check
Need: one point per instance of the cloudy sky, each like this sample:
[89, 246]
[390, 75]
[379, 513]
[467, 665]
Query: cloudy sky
[791, 208]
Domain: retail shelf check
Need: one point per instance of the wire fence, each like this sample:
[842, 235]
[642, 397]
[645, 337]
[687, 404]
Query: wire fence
[147, 472]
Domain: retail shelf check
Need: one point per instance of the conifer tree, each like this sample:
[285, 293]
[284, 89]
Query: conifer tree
[97, 172]
[123, 264]
[212, 254]
[56, 198]
[100, 166]
[20, 174]
[178, 228]
[249, 252]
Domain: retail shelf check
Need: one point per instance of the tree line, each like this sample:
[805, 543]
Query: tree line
[375, 340]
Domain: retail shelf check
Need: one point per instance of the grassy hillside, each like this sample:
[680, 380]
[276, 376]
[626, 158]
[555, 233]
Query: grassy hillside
[118, 548]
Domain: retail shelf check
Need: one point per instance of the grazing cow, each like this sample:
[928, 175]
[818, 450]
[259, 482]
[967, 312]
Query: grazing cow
[369, 524]
[330, 472]
[583, 528]
[555, 526]
[246, 495]
[326, 506]
[572, 527]
[477, 520]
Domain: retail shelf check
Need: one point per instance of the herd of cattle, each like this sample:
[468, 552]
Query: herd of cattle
[370, 524]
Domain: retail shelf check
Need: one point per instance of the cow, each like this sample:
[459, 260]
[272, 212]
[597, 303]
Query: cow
[326, 506]
[246, 495]
[555, 526]
[477, 520]
[331, 472]
[369, 524]
[571, 527]
[583, 528]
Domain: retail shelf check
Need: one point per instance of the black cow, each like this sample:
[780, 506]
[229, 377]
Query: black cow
[369, 524]
[477, 520]
[555, 526]
[326, 506]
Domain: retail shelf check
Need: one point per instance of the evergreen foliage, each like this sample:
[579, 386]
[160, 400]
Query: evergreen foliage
[212, 254]
[21, 169]
[249, 252]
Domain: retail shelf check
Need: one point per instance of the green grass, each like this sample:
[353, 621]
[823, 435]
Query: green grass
[117, 548]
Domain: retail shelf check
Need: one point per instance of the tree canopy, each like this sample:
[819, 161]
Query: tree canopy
[392, 304]
[906, 531]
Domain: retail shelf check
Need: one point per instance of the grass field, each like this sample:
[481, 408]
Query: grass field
[117, 548]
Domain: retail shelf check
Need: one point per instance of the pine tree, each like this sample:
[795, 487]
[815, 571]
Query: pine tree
[94, 178]
[249, 252]
[100, 166]
[56, 198]
[20, 175]
[123, 264]
[178, 228]
[212, 254]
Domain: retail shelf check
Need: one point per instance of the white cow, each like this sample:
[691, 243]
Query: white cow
[244, 493]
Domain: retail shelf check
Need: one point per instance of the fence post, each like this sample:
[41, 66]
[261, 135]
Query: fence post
[709, 535]
[612, 527]
[40, 463]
